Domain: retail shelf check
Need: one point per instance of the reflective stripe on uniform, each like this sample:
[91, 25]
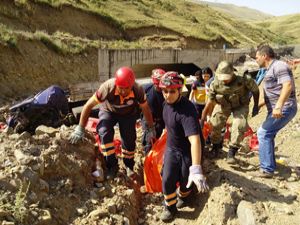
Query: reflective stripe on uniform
[171, 199]
[108, 145]
[127, 154]
[108, 153]
[184, 194]
[108, 149]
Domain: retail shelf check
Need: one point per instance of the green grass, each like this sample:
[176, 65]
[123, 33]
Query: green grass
[238, 12]
[17, 206]
[7, 36]
[287, 25]
[183, 17]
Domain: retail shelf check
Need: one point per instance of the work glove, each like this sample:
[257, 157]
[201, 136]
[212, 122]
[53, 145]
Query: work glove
[196, 176]
[255, 110]
[151, 135]
[77, 134]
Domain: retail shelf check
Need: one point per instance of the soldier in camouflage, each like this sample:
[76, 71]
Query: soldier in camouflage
[229, 94]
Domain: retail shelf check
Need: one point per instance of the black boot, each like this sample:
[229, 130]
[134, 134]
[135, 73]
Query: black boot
[216, 149]
[112, 172]
[168, 213]
[231, 155]
[182, 202]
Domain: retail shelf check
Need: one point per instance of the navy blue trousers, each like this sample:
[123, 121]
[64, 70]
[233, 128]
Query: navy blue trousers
[105, 128]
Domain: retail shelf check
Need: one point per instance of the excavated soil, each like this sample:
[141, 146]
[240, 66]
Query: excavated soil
[45, 180]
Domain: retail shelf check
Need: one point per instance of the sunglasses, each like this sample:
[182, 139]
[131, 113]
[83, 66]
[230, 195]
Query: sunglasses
[169, 91]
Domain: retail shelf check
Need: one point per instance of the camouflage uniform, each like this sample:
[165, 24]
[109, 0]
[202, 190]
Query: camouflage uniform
[231, 93]
[231, 98]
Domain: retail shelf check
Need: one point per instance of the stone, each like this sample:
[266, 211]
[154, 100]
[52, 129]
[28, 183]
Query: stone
[22, 158]
[40, 130]
[245, 213]
[25, 135]
[98, 213]
[112, 208]
[80, 211]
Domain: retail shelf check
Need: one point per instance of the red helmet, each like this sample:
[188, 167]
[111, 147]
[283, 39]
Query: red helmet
[171, 79]
[156, 76]
[124, 77]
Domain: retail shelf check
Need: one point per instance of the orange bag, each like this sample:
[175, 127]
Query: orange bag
[153, 165]
[253, 143]
[206, 130]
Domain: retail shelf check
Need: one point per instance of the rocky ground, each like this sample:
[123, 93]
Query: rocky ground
[46, 180]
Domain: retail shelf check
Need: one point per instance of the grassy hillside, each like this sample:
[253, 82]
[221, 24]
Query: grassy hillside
[238, 12]
[136, 22]
[288, 25]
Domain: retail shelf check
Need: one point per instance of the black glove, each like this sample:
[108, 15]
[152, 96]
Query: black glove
[255, 110]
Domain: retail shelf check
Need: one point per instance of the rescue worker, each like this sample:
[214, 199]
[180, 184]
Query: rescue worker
[229, 94]
[120, 99]
[155, 101]
[182, 158]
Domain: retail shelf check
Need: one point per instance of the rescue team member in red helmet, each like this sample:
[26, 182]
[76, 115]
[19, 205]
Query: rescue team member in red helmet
[120, 99]
[155, 100]
[182, 158]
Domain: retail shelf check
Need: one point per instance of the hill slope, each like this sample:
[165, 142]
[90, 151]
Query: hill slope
[133, 22]
[44, 42]
[288, 25]
[238, 12]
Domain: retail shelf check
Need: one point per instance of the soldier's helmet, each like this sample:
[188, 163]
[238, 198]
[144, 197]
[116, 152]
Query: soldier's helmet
[225, 70]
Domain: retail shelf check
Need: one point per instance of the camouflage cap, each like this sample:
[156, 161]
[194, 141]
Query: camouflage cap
[225, 70]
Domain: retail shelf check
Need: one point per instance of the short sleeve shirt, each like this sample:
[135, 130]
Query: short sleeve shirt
[111, 101]
[278, 73]
[155, 101]
[181, 122]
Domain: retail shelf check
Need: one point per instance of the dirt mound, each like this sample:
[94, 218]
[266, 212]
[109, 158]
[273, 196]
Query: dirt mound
[46, 180]
[32, 67]
[34, 16]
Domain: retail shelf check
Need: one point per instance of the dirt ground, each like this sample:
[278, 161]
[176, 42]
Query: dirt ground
[62, 189]
[44, 180]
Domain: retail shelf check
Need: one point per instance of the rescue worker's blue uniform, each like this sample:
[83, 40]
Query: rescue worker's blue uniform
[181, 121]
[155, 101]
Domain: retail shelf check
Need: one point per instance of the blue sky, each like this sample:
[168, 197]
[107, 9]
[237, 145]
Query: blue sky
[273, 7]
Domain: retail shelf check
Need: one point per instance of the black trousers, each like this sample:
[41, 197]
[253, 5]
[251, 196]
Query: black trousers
[105, 128]
[175, 171]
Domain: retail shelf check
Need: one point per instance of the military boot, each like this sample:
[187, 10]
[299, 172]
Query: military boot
[216, 149]
[231, 155]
